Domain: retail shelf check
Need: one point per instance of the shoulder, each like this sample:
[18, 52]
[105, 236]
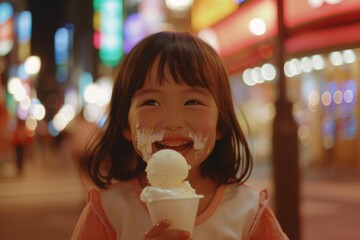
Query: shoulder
[121, 191]
[123, 209]
[246, 194]
[245, 197]
[102, 201]
[254, 202]
[93, 223]
[233, 212]
[94, 202]
[266, 226]
[263, 224]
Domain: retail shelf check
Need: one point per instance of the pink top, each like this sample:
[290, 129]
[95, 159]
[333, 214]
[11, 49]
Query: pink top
[236, 212]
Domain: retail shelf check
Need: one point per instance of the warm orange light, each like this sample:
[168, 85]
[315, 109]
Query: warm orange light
[207, 12]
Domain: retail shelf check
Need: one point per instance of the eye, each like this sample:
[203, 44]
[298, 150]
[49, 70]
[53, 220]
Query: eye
[193, 102]
[150, 102]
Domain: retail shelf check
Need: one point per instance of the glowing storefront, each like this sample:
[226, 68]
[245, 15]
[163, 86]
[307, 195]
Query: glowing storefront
[322, 68]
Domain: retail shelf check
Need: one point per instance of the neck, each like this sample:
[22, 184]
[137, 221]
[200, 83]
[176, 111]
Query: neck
[143, 180]
[203, 186]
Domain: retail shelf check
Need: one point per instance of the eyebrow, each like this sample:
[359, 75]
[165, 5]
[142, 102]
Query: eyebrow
[199, 90]
[146, 91]
[202, 91]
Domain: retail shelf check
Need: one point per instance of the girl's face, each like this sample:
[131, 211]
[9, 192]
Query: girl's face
[174, 116]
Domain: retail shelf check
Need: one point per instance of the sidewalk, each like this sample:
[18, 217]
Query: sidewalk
[329, 204]
[42, 204]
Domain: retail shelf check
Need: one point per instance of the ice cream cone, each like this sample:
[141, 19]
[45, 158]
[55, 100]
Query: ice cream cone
[181, 212]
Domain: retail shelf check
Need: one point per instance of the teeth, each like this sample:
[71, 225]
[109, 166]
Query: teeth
[172, 144]
[177, 146]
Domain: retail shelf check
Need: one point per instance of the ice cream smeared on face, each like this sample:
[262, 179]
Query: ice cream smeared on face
[166, 172]
[145, 137]
[199, 140]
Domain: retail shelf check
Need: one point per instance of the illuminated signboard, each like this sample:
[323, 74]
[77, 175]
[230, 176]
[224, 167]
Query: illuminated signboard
[108, 26]
[6, 28]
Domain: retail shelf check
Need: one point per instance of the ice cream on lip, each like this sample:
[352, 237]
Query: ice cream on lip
[145, 137]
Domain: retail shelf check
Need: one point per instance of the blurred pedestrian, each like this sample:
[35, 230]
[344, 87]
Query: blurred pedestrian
[22, 138]
[5, 135]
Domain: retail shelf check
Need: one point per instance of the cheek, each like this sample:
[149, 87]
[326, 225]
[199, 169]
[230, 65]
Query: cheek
[205, 124]
[143, 120]
[208, 126]
[139, 121]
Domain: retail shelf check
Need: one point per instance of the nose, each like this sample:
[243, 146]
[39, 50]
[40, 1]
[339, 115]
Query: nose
[173, 118]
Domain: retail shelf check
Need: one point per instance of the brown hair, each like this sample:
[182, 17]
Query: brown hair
[193, 62]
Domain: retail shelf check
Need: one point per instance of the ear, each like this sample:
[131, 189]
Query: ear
[127, 134]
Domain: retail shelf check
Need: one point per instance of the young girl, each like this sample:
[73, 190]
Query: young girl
[172, 92]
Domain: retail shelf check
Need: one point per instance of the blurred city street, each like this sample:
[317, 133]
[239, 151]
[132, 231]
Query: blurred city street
[45, 202]
[329, 202]
[294, 72]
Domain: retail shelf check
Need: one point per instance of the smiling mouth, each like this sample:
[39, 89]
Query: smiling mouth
[179, 147]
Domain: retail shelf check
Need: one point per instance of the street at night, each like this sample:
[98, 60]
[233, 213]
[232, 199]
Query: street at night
[293, 71]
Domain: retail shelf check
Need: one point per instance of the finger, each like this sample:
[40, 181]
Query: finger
[158, 228]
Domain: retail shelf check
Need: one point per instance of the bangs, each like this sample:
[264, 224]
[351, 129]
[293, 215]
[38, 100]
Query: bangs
[183, 57]
[185, 67]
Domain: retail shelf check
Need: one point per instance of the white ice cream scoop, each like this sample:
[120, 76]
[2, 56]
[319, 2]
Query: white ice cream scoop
[170, 195]
[167, 168]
